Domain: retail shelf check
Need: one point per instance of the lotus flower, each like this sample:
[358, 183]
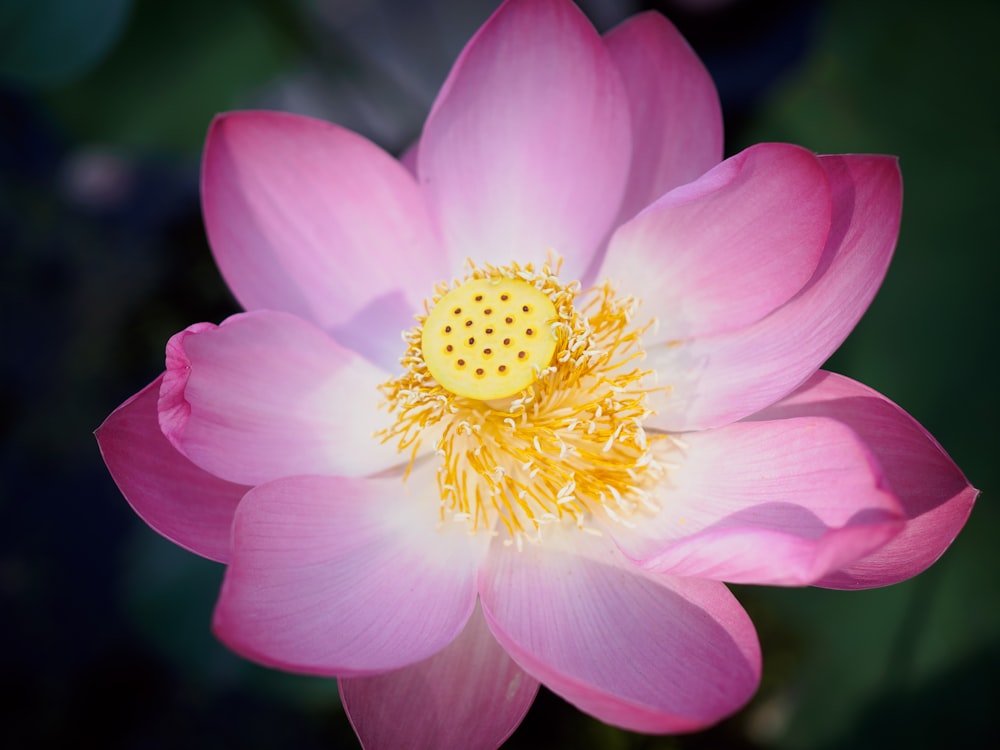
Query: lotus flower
[604, 406]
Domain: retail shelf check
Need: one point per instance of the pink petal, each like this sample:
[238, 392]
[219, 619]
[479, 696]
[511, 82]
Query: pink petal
[719, 379]
[675, 113]
[344, 577]
[935, 495]
[527, 147]
[267, 395]
[722, 252]
[643, 652]
[471, 695]
[409, 157]
[307, 217]
[781, 502]
[187, 505]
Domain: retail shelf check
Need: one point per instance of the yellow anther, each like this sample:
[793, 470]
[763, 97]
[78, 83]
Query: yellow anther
[489, 338]
[557, 435]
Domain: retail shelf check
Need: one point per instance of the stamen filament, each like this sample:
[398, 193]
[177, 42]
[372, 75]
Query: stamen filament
[569, 445]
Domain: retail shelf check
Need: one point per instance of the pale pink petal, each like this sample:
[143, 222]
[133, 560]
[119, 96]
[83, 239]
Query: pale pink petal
[674, 107]
[716, 380]
[343, 577]
[781, 502]
[647, 653]
[187, 505]
[722, 252]
[307, 217]
[267, 395]
[935, 495]
[470, 695]
[527, 147]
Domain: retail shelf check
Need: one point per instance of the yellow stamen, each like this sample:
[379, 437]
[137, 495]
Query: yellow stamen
[557, 437]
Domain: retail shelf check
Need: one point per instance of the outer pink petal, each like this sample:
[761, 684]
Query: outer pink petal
[267, 395]
[310, 218]
[719, 379]
[721, 253]
[527, 147]
[782, 502]
[186, 504]
[471, 695]
[674, 107]
[340, 576]
[647, 653]
[409, 158]
[935, 495]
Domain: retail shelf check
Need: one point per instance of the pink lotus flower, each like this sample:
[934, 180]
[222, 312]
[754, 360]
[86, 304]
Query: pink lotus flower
[611, 410]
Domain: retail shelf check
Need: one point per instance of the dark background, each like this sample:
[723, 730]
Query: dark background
[103, 108]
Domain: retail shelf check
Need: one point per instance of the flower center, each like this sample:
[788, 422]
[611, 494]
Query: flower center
[531, 396]
[489, 338]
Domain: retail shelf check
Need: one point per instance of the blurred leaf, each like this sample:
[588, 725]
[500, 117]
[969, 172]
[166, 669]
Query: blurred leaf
[916, 80]
[177, 66]
[50, 42]
[913, 79]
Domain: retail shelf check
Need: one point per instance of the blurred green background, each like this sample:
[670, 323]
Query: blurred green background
[103, 108]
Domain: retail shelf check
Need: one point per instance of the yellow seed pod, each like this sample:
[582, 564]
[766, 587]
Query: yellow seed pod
[489, 338]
